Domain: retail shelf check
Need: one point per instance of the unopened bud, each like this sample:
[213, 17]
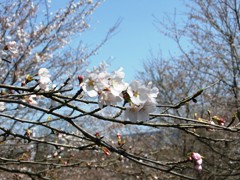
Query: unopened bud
[198, 167]
[119, 135]
[80, 79]
[220, 121]
[195, 115]
[5, 48]
[28, 133]
[106, 151]
[97, 134]
[28, 78]
[23, 83]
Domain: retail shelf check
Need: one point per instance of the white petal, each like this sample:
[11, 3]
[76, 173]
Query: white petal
[92, 93]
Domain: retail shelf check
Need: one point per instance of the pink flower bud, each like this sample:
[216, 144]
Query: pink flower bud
[97, 134]
[23, 83]
[199, 162]
[5, 48]
[119, 135]
[196, 156]
[106, 151]
[198, 167]
[221, 121]
[80, 79]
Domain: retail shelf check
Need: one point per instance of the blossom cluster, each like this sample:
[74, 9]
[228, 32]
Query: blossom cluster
[7, 49]
[44, 82]
[218, 120]
[44, 79]
[213, 120]
[142, 101]
[197, 159]
[111, 89]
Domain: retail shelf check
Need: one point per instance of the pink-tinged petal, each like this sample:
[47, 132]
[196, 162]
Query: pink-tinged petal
[136, 100]
[199, 161]
[154, 92]
[198, 167]
[43, 72]
[143, 115]
[92, 93]
[196, 156]
[131, 114]
[32, 101]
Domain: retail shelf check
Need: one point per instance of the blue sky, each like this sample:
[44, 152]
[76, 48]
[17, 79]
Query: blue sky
[135, 37]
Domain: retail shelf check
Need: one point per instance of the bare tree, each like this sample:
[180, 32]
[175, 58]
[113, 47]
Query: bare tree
[210, 59]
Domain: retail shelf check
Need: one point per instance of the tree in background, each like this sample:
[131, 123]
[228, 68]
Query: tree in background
[212, 32]
[208, 42]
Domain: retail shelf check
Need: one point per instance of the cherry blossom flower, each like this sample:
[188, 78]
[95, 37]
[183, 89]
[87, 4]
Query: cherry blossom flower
[196, 156]
[139, 113]
[152, 93]
[116, 82]
[6, 49]
[108, 98]
[2, 106]
[111, 87]
[198, 167]
[142, 101]
[32, 101]
[131, 113]
[107, 87]
[12, 47]
[44, 79]
[137, 93]
[89, 86]
[43, 72]
[197, 159]
[148, 107]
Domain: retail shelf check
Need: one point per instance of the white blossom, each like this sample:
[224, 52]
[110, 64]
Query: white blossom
[142, 101]
[139, 113]
[89, 86]
[137, 93]
[44, 79]
[32, 101]
[12, 47]
[109, 88]
[152, 93]
[116, 82]
[2, 106]
[108, 98]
